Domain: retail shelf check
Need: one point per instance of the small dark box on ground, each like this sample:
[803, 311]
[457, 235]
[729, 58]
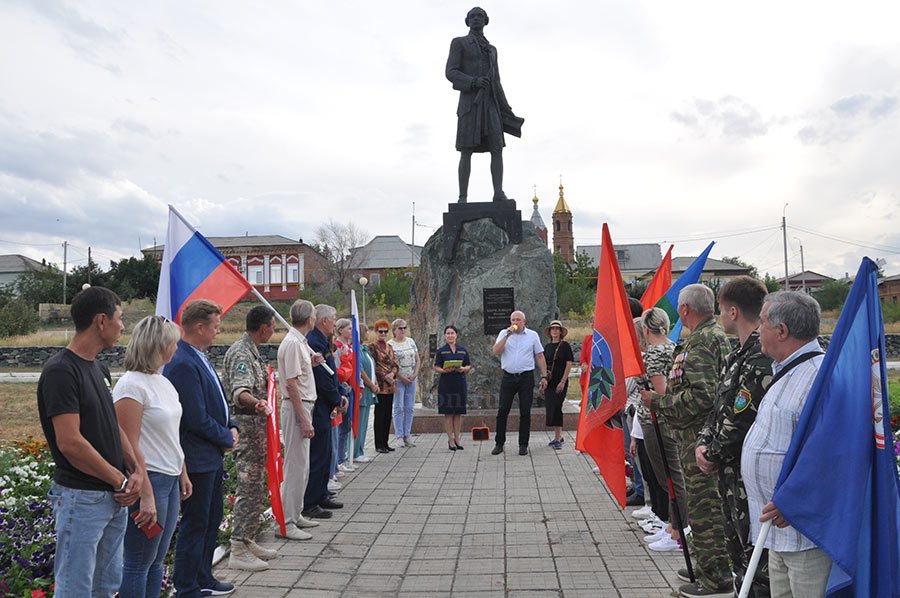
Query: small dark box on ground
[482, 433]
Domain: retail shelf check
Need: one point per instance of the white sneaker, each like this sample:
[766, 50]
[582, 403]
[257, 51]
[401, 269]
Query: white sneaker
[339, 473]
[303, 522]
[655, 536]
[292, 533]
[667, 544]
[651, 525]
[363, 459]
[346, 468]
[643, 512]
[334, 486]
[400, 444]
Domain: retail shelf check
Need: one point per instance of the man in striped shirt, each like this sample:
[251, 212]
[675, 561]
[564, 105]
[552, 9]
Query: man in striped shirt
[788, 334]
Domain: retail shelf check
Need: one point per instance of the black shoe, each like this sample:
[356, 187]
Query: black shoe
[523, 450]
[217, 588]
[317, 512]
[683, 575]
[498, 448]
[390, 449]
[459, 446]
[452, 447]
[381, 450]
[329, 503]
[636, 500]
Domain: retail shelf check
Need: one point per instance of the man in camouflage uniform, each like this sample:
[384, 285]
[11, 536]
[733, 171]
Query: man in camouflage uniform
[245, 379]
[747, 376]
[690, 393]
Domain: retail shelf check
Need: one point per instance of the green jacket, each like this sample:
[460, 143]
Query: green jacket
[691, 388]
[747, 375]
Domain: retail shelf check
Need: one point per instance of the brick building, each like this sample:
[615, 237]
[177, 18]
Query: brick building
[277, 266]
[889, 289]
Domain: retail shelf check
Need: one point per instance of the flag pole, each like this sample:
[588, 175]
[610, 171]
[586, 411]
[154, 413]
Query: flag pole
[678, 521]
[754, 558]
[286, 325]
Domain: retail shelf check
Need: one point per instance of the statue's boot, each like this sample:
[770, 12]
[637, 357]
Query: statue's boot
[500, 196]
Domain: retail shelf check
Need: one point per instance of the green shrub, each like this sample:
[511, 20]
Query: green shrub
[17, 318]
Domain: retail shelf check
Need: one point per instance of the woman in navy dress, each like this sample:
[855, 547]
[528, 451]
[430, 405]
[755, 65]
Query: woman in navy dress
[452, 391]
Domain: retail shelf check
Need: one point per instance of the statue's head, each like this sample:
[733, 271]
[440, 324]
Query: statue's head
[475, 10]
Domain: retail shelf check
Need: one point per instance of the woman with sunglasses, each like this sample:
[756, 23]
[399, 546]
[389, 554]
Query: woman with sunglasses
[452, 362]
[405, 396]
[385, 372]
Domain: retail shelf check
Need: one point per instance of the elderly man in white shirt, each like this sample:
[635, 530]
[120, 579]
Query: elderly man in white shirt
[788, 332]
[518, 348]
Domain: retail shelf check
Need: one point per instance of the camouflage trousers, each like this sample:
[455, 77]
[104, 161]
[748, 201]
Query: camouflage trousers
[705, 513]
[251, 495]
[736, 520]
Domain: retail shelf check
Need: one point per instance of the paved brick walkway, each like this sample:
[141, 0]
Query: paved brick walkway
[428, 522]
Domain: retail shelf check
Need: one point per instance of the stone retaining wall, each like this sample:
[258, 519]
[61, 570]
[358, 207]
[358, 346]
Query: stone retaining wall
[33, 358]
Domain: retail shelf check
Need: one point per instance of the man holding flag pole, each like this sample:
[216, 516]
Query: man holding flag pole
[689, 397]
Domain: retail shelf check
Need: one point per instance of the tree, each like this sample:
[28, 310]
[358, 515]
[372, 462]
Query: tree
[134, 278]
[79, 277]
[771, 283]
[576, 284]
[753, 272]
[17, 317]
[40, 286]
[394, 288]
[334, 240]
[832, 294]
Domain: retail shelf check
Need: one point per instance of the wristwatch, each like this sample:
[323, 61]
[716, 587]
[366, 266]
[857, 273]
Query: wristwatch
[122, 487]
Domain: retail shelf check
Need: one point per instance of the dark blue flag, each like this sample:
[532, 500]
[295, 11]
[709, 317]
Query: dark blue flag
[838, 486]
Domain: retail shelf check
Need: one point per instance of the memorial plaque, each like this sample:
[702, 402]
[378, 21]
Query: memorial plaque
[432, 344]
[498, 305]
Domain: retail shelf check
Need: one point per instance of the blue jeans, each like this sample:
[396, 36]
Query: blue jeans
[404, 403]
[143, 570]
[636, 473]
[90, 526]
[334, 437]
[201, 515]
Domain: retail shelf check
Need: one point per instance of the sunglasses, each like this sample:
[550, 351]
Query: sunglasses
[382, 332]
[401, 327]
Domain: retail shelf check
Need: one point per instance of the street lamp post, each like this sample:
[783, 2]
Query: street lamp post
[363, 281]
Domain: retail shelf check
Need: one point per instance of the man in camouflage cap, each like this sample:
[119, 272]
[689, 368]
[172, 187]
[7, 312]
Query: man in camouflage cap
[690, 393]
[245, 379]
[747, 376]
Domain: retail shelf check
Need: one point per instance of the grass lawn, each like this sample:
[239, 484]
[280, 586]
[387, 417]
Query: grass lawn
[18, 411]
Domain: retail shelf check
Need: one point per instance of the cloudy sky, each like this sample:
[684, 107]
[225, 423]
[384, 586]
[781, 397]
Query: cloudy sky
[673, 121]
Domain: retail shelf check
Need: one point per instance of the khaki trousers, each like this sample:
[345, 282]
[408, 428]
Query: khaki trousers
[296, 460]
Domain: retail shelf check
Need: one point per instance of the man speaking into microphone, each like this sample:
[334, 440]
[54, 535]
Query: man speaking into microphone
[519, 348]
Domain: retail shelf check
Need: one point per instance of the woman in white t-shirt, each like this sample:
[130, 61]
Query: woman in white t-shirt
[407, 355]
[149, 412]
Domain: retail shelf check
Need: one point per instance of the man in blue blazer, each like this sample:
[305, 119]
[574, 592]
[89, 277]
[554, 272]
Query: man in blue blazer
[317, 502]
[206, 433]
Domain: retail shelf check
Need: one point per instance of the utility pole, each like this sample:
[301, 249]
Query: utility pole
[89, 266]
[65, 248]
[412, 247]
[802, 266]
[787, 282]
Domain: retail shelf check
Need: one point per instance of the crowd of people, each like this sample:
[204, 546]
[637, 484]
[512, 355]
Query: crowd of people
[153, 446]
[706, 446]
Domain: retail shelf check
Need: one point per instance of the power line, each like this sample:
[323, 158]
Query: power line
[884, 248]
[707, 236]
[30, 244]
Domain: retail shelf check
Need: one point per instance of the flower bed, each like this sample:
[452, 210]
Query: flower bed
[27, 536]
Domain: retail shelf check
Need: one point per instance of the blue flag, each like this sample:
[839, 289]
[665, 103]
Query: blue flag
[669, 301]
[838, 486]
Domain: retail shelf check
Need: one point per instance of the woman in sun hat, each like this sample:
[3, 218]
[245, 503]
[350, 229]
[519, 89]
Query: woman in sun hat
[559, 356]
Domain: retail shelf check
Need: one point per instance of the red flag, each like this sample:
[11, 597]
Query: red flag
[274, 458]
[615, 355]
[660, 282]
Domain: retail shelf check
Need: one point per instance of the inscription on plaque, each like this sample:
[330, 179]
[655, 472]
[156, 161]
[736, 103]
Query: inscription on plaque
[499, 303]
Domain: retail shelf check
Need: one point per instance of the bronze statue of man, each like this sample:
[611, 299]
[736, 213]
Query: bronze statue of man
[483, 112]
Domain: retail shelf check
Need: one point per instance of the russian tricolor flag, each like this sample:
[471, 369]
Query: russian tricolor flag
[356, 380]
[193, 269]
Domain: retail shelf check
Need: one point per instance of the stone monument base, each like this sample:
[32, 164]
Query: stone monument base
[429, 421]
[503, 213]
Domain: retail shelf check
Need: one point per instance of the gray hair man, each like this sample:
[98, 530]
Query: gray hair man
[298, 395]
[690, 394]
[519, 348]
[788, 331]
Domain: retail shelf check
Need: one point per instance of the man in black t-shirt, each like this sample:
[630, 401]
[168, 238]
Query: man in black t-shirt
[98, 472]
